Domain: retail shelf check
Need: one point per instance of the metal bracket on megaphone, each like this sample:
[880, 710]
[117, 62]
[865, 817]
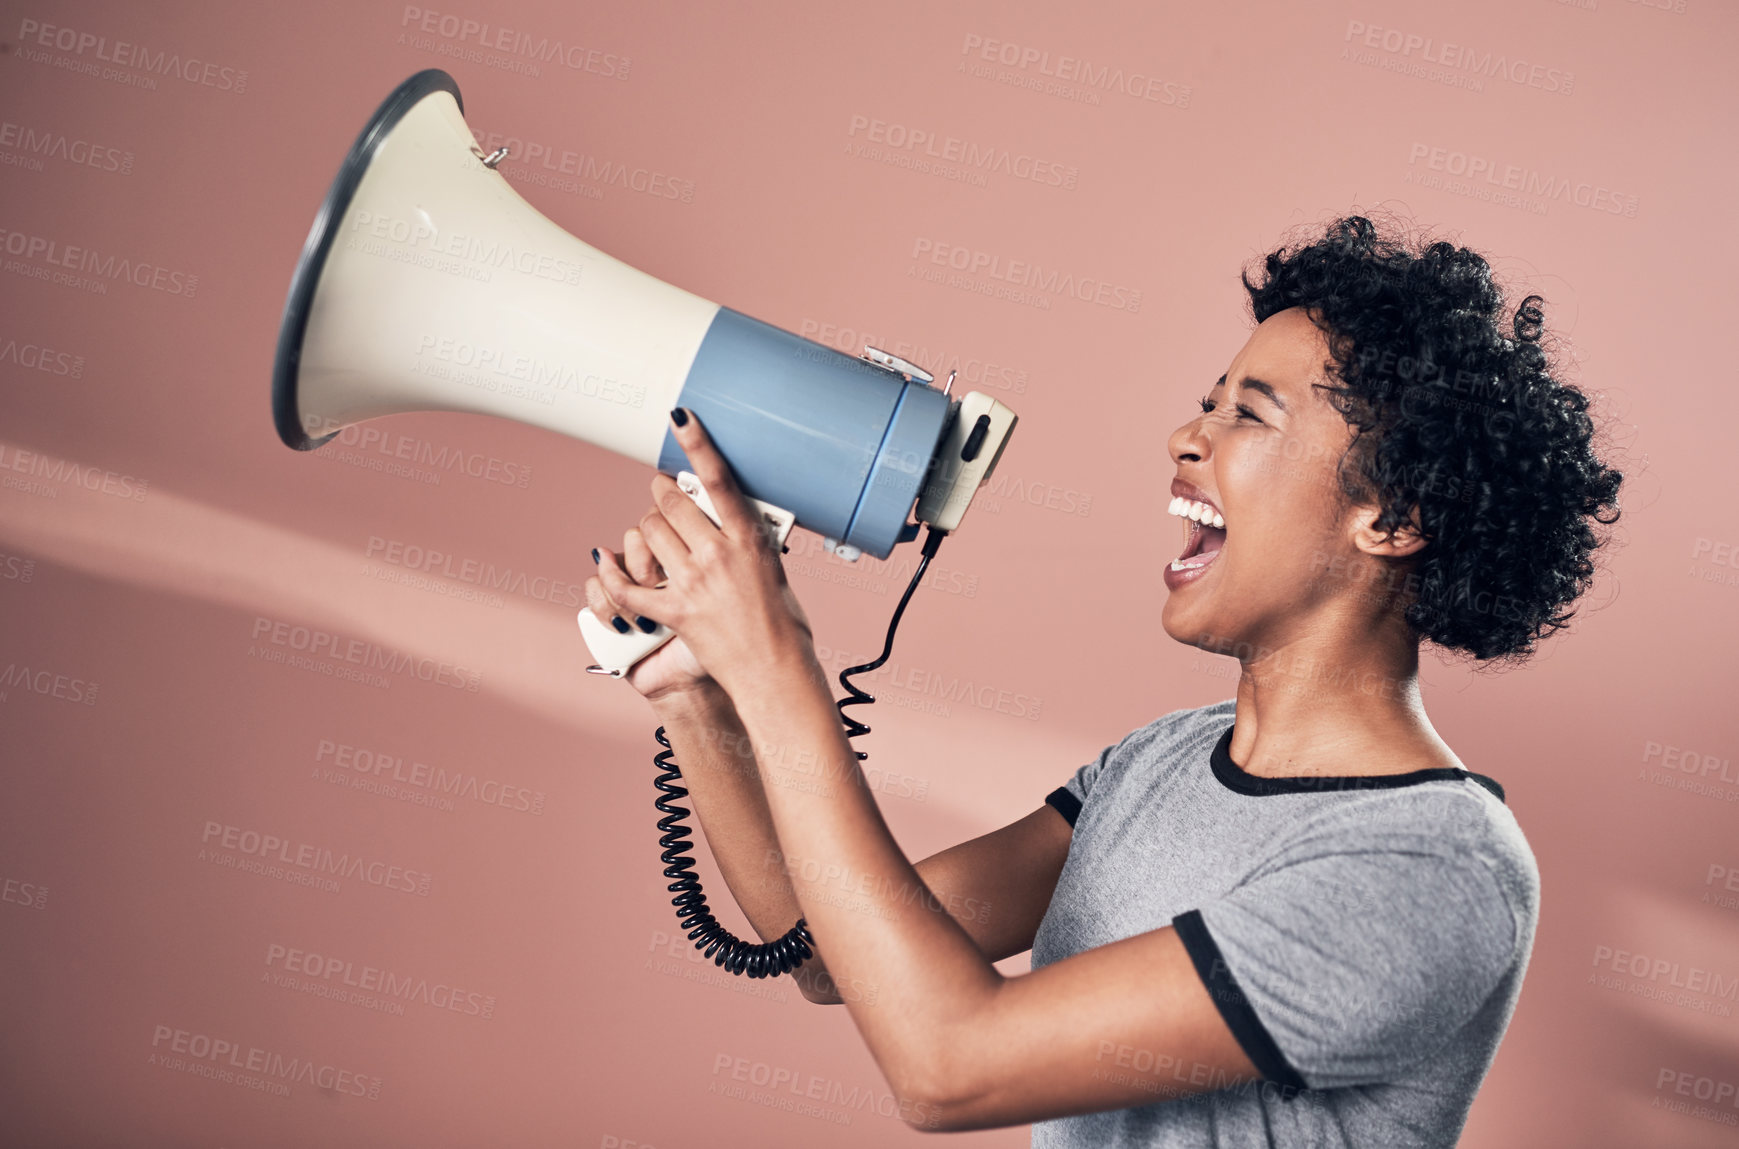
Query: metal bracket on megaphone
[616, 652]
[972, 442]
[900, 366]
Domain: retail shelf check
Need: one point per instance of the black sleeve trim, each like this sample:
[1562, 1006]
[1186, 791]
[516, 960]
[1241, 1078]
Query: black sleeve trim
[1252, 1035]
[1065, 803]
[1490, 784]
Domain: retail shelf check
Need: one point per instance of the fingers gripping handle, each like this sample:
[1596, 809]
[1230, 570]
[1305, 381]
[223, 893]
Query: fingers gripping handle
[617, 653]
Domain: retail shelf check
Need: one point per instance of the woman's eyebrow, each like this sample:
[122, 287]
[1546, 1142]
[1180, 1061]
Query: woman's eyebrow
[1261, 388]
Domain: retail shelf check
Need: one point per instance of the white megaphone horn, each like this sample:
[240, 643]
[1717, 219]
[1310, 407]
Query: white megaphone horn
[428, 284]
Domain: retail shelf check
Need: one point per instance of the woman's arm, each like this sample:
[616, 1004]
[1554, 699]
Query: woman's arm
[963, 1046]
[960, 1044]
[997, 886]
[708, 743]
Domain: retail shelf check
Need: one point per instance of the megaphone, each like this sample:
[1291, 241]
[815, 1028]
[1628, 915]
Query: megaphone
[427, 283]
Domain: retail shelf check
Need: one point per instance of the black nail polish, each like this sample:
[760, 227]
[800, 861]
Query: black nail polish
[617, 622]
[595, 557]
[645, 624]
[679, 416]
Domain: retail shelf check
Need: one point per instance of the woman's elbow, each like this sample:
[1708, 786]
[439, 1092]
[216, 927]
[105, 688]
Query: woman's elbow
[940, 1113]
[945, 1098]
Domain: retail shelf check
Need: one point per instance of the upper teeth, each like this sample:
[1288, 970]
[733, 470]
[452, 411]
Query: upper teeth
[1196, 512]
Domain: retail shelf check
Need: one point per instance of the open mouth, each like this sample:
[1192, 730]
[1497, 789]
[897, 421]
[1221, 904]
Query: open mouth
[1204, 533]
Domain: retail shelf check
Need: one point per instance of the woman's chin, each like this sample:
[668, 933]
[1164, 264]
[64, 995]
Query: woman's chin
[1174, 619]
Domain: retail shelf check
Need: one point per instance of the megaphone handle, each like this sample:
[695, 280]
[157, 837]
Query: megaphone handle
[616, 652]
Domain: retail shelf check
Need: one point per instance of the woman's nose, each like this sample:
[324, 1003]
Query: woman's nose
[1189, 442]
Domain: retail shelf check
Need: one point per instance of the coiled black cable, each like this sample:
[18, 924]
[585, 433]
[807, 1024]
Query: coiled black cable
[728, 951]
[756, 959]
[859, 696]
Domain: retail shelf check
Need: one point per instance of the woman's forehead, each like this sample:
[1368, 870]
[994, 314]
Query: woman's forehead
[1286, 354]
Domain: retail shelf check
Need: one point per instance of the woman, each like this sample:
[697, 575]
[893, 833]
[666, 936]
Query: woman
[1289, 918]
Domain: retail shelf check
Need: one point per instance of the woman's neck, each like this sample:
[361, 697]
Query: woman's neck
[1323, 705]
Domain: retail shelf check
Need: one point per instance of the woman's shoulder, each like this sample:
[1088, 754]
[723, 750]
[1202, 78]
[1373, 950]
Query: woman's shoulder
[1458, 821]
[1186, 724]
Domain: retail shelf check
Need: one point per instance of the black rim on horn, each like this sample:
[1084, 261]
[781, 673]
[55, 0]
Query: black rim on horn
[287, 365]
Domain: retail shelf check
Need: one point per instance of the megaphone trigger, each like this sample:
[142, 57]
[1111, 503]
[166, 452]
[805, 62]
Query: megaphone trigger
[776, 521]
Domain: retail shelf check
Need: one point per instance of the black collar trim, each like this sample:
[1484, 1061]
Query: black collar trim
[1233, 777]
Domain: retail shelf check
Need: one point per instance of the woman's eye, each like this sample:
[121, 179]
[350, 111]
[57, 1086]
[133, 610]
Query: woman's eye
[1207, 405]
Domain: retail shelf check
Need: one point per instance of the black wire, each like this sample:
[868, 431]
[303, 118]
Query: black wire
[859, 696]
[787, 952]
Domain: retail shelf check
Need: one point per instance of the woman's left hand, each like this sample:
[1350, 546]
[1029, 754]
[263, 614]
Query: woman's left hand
[725, 591]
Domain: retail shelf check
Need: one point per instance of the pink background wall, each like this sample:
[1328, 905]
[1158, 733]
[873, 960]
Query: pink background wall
[153, 533]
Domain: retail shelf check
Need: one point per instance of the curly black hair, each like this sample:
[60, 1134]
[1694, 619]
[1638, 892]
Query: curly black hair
[1457, 421]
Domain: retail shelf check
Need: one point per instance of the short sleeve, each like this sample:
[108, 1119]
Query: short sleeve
[1351, 968]
[1068, 798]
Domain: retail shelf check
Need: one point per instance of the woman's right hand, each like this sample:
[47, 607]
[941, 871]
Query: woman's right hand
[672, 669]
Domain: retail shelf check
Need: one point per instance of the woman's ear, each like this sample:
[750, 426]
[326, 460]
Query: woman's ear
[1407, 538]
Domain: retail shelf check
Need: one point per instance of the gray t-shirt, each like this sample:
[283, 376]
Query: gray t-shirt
[1364, 937]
